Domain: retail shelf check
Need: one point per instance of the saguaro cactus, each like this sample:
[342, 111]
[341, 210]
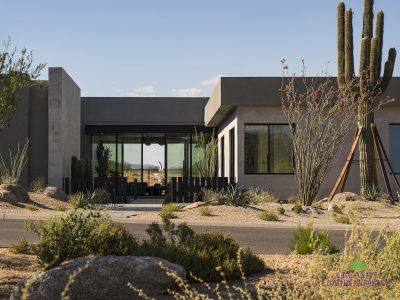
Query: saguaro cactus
[370, 84]
[89, 173]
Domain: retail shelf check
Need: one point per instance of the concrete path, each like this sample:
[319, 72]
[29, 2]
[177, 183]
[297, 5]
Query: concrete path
[261, 239]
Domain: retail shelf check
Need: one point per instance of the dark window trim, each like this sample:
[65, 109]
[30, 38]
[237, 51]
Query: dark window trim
[268, 173]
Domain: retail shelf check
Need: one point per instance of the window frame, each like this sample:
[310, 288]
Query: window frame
[268, 156]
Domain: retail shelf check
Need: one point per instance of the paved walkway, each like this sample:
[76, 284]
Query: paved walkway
[135, 207]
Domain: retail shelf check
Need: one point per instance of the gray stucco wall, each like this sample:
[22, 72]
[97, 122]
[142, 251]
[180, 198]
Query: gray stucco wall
[38, 132]
[64, 110]
[17, 133]
[284, 185]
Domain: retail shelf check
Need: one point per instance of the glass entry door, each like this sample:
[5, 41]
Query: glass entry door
[178, 155]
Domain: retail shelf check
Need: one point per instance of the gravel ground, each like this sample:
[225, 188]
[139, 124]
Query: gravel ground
[377, 213]
[14, 267]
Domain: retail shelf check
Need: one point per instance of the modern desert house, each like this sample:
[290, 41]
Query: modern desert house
[153, 139]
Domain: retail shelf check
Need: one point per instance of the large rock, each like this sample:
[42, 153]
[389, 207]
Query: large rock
[346, 196]
[56, 193]
[9, 197]
[19, 192]
[101, 278]
[194, 205]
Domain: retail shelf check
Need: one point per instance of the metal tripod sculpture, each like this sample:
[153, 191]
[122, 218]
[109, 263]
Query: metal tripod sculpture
[341, 182]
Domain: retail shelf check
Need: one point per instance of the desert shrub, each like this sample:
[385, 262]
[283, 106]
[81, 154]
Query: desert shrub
[257, 195]
[79, 234]
[281, 210]
[31, 207]
[11, 173]
[60, 207]
[209, 195]
[342, 219]
[100, 196]
[234, 196]
[23, 247]
[372, 193]
[267, 216]
[80, 200]
[38, 185]
[307, 240]
[205, 211]
[199, 253]
[297, 208]
[168, 211]
[292, 199]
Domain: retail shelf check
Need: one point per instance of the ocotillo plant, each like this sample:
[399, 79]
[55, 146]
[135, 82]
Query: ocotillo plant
[370, 84]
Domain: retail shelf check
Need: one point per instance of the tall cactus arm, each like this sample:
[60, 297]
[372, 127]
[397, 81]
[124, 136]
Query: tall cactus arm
[341, 44]
[380, 22]
[364, 64]
[349, 48]
[388, 72]
[373, 62]
[368, 19]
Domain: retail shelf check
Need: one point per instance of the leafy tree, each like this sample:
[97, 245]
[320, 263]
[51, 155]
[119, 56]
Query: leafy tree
[16, 71]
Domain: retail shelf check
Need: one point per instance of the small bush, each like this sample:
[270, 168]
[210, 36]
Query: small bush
[38, 185]
[306, 241]
[23, 247]
[281, 210]
[199, 253]
[168, 211]
[31, 207]
[258, 195]
[372, 193]
[100, 196]
[205, 211]
[234, 196]
[342, 219]
[297, 208]
[60, 207]
[267, 216]
[80, 234]
[80, 200]
[292, 199]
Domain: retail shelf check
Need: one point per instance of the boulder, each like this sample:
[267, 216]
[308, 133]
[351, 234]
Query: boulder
[19, 192]
[194, 205]
[56, 193]
[99, 278]
[346, 196]
[9, 197]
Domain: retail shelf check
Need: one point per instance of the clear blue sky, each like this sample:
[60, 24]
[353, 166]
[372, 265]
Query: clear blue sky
[178, 47]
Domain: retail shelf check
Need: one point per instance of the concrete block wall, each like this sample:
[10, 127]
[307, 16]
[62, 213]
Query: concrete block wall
[64, 113]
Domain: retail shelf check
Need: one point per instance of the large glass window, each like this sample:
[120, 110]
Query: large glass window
[394, 147]
[268, 149]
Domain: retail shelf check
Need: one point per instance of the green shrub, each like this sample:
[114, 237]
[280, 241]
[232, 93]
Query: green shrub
[234, 196]
[267, 216]
[31, 207]
[281, 210]
[60, 207]
[23, 247]
[297, 208]
[199, 253]
[205, 211]
[100, 196]
[80, 234]
[372, 193]
[80, 200]
[258, 195]
[168, 211]
[306, 240]
[342, 219]
[38, 185]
